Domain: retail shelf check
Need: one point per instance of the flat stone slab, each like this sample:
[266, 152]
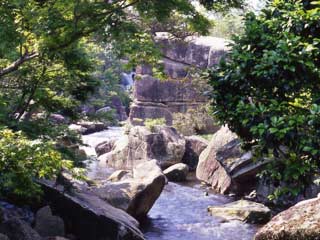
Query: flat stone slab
[242, 210]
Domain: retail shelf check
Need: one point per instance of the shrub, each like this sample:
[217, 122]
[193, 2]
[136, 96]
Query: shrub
[268, 89]
[22, 161]
[194, 121]
[150, 123]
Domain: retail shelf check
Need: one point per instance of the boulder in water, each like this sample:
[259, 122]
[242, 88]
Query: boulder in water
[89, 217]
[136, 196]
[243, 210]
[226, 167]
[163, 144]
[105, 147]
[91, 127]
[177, 172]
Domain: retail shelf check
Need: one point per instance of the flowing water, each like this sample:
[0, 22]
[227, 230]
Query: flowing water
[180, 213]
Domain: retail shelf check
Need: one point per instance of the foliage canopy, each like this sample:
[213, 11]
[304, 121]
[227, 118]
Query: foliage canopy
[267, 89]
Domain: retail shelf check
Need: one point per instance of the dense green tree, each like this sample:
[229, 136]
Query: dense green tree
[267, 89]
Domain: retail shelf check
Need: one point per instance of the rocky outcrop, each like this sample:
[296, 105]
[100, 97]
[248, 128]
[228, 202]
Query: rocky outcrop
[194, 147]
[301, 221]
[163, 144]
[89, 217]
[177, 172]
[242, 210]
[161, 99]
[137, 195]
[48, 225]
[226, 167]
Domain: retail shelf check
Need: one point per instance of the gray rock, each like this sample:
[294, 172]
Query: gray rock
[177, 172]
[105, 147]
[163, 144]
[17, 229]
[301, 221]
[58, 118]
[117, 104]
[119, 175]
[136, 196]
[48, 225]
[226, 167]
[91, 127]
[243, 210]
[194, 146]
[90, 217]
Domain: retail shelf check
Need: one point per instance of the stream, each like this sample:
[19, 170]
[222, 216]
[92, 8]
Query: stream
[180, 213]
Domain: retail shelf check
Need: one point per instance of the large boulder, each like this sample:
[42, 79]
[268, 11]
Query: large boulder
[136, 196]
[48, 225]
[194, 147]
[242, 210]
[177, 172]
[89, 217]
[163, 144]
[226, 167]
[17, 229]
[301, 221]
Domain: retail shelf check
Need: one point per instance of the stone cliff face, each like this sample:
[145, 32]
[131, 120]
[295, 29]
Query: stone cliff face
[160, 99]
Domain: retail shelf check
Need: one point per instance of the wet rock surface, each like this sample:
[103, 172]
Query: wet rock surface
[243, 210]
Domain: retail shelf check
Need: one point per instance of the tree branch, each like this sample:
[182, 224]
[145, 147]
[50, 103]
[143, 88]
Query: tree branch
[16, 64]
